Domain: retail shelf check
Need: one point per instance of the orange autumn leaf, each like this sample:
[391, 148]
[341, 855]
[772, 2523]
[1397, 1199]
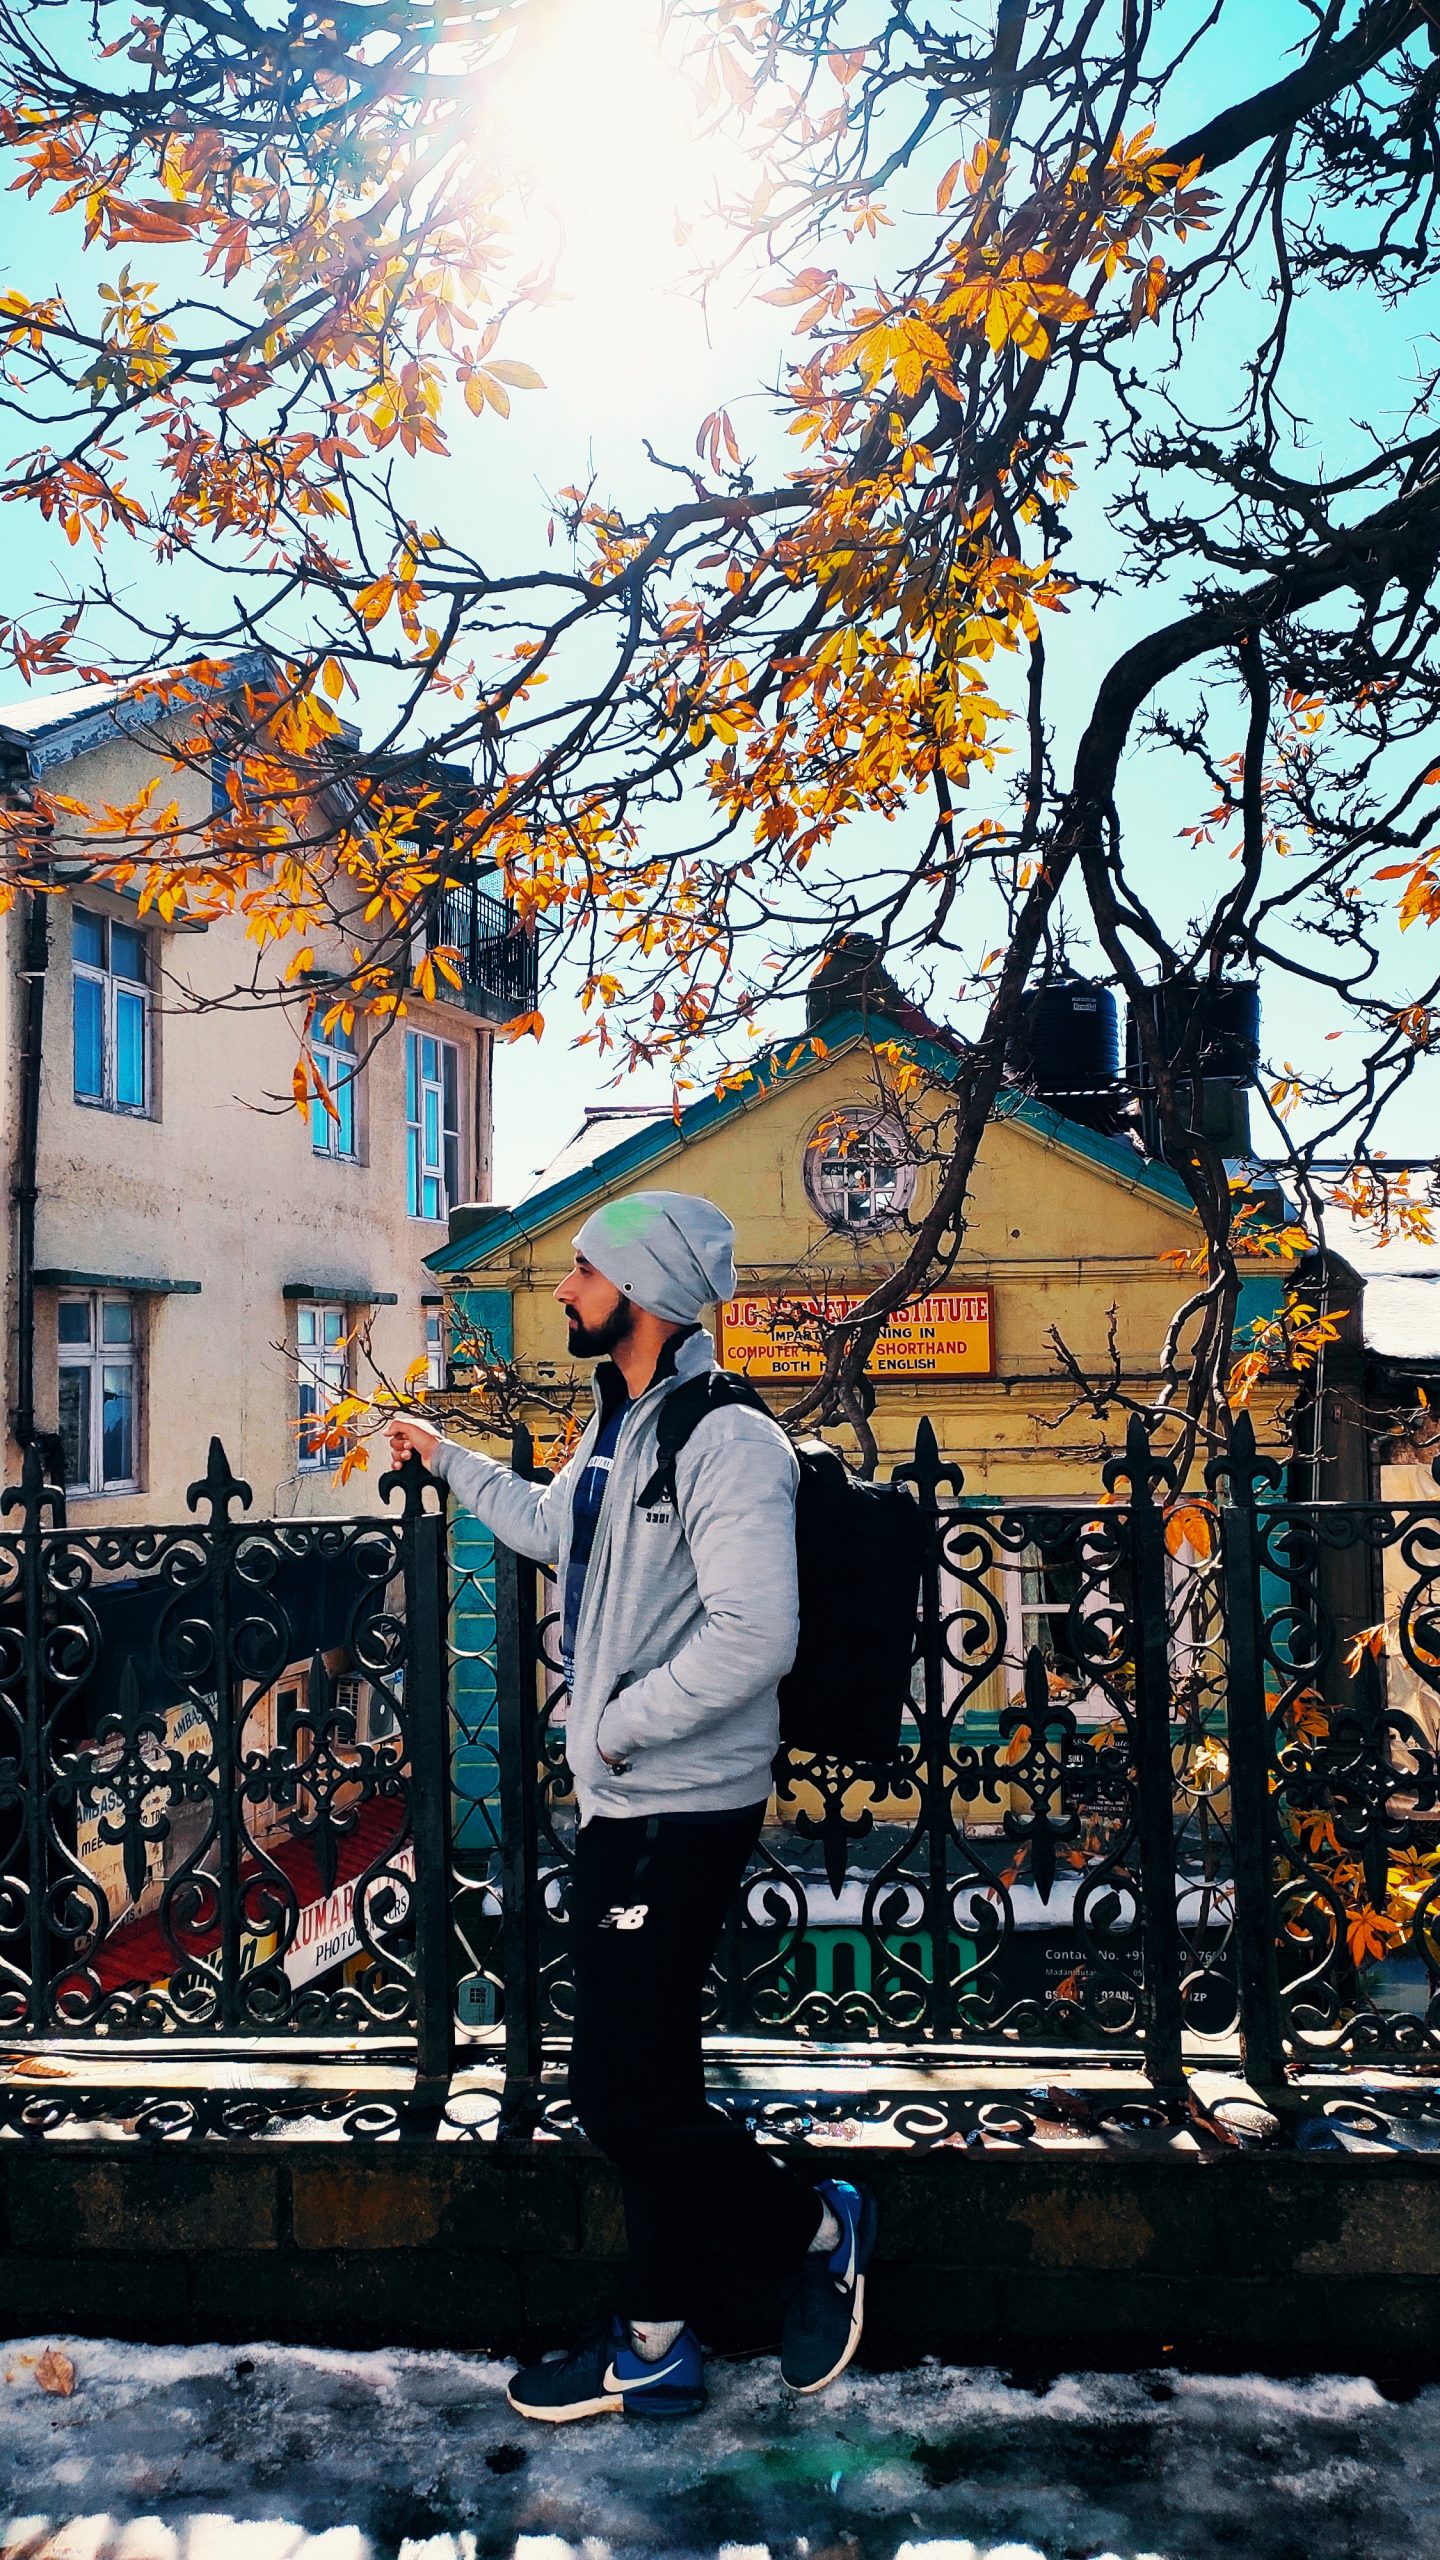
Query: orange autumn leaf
[1188, 1526]
[55, 2373]
[1369, 1935]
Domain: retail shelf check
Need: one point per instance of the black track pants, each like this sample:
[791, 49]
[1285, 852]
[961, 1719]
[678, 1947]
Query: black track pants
[648, 1901]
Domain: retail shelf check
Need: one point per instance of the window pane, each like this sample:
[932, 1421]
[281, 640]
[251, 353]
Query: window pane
[320, 1127]
[117, 1392]
[305, 1320]
[75, 1424]
[337, 1037]
[412, 1183]
[127, 953]
[334, 1325]
[90, 938]
[412, 1077]
[450, 1061]
[308, 1408]
[429, 1061]
[432, 1208]
[129, 1050]
[452, 1168]
[90, 1038]
[432, 1130]
[74, 1319]
[117, 1320]
[342, 1088]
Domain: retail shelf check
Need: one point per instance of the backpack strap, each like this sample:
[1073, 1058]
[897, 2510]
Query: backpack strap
[681, 1414]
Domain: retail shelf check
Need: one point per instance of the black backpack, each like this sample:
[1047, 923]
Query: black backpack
[857, 1549]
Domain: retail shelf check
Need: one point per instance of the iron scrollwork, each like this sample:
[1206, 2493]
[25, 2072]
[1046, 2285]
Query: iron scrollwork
[205, 1774]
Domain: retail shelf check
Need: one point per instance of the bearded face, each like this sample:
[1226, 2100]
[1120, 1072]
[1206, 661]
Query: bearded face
[591, 1341]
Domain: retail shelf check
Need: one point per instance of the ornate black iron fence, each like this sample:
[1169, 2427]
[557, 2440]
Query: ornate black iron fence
[1168, 1791]
[1166, 1795]
[223, 1798]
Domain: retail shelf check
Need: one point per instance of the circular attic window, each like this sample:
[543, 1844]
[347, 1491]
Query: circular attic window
[859, 1172]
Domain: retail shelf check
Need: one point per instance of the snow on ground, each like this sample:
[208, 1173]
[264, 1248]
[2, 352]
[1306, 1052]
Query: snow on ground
[272, 2453]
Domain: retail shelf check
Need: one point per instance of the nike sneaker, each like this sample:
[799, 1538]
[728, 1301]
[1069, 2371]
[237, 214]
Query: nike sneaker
[604, 2377]
[827, 2309]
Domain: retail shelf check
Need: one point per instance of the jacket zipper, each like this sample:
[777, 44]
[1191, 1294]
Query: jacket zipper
[602, 1516]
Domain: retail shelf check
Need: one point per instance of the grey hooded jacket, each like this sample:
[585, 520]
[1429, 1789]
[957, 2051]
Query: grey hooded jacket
[689, 1618]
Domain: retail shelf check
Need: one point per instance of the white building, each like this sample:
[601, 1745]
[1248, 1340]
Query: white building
[206, 1259]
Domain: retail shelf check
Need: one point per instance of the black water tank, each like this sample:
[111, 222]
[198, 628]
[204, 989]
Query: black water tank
[1210, 1033]
[1065, 1049]
[1067, 1038]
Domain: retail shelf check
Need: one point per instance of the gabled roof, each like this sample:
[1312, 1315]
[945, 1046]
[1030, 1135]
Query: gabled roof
[603, 1127]
[50, 729]
[784, 1063]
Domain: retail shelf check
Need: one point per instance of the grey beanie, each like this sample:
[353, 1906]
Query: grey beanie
[669, 1251]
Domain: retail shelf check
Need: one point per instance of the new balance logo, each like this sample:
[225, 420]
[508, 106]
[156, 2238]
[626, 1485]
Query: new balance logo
[625, 1915]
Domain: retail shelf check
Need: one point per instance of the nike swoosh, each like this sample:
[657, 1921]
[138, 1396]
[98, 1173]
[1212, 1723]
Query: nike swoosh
[653, 2373]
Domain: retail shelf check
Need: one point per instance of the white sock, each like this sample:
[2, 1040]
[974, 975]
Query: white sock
[828, 2236]
[652, 2339]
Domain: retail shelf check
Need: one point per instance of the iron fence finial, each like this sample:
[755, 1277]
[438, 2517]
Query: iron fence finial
[1239, 1469]
[927, 1471]
[218, 1487]
[33, 1495]
[1139, 1465]
[409, 1480]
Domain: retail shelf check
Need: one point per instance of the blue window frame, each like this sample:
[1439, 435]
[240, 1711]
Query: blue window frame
[332, 1132]
[432, 1122]
[111, 1013]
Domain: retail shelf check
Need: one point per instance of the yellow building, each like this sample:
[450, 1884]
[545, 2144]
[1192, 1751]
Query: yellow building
[820, 1165]
[820, 1157]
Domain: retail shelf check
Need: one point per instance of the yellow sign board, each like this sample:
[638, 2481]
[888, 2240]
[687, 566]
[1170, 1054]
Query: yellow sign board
[950, 1334]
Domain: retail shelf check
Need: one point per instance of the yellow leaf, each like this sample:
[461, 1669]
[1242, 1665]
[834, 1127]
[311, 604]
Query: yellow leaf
[55, 2373]
[521, 377]
[373, 602]
[333, 679]
[1369, 1640]
[300, 1086]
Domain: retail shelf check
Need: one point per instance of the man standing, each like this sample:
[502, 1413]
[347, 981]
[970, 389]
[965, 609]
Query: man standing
[679, 1618]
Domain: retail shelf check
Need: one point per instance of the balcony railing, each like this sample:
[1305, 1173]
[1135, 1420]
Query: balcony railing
[298, 1787]
[499, 959]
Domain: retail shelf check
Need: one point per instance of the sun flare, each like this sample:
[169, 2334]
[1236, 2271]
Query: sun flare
[617, 162]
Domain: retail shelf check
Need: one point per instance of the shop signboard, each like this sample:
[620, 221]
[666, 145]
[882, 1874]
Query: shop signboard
[950, 1333]
[325, 1931]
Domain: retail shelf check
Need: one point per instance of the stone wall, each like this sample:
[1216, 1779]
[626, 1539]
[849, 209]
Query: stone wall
[1074, 2257]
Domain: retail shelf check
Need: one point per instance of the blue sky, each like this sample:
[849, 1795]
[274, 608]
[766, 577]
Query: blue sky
[628, 355]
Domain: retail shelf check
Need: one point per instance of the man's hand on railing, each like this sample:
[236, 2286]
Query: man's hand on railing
[408, 1436]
